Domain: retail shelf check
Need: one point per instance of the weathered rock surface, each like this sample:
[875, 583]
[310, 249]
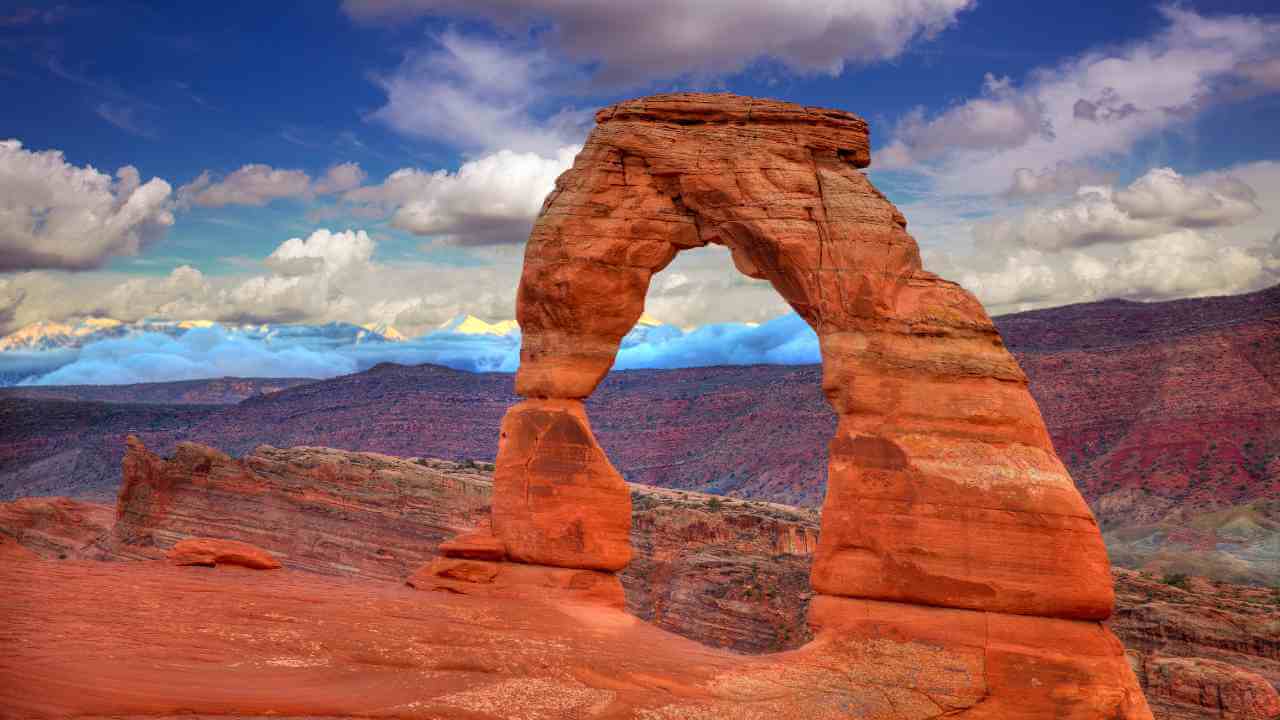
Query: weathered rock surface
[557, 500]
[1206, 650]
[724, 572]
[943, 487]
[212, 552]
[128, 639]
[316, 509]
[57, 527]
[1187, 688]
[727, 572]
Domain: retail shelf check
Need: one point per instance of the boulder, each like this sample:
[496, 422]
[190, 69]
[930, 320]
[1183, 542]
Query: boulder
[213, 552]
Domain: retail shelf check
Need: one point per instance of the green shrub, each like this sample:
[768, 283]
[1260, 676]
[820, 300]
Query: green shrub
[1178, 580]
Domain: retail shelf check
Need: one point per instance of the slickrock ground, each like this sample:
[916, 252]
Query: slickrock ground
[724, 572]
[137, 639]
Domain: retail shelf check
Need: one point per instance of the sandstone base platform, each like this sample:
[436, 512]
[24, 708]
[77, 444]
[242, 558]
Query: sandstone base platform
[147, 639]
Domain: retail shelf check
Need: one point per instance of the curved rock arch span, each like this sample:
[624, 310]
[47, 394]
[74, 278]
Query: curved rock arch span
[944, 488]
[948, 517]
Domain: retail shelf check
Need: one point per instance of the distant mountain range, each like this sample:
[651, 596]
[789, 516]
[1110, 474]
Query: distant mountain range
[45, 336]
[1167, 415]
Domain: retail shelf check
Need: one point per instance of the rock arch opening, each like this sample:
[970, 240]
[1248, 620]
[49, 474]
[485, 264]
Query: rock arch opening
[943, 487]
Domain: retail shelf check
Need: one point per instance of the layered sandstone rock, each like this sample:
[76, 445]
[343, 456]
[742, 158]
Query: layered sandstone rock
[1205, 650]
[316, 509]
[57, 527]
[943, 488]
[725, 572]
[944, 491]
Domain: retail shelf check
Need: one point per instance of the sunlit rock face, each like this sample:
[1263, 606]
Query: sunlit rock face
[944, 487]
[953, 539]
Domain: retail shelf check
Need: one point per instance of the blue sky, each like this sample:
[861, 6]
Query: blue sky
[381, 160]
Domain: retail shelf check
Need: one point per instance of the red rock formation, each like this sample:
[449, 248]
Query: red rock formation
[944, 488]
[1192, 688]
[213, 552]
[1203, 650]
[722, 571]
[57, 527]
[943, 491]
[558, 500]
[317, 509]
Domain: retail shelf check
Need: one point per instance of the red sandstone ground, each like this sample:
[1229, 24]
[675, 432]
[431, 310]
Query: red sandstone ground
[725, 572]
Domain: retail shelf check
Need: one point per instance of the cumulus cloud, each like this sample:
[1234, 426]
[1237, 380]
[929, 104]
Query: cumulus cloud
[481, 96]
[1062, 178]
[339, 178]
[325, 276]
[1162, 236]
[1090, 108]
[1158, 202]
[489, 200]
[257, 184]
[1000, 118]
[57, 215]
[637, 42]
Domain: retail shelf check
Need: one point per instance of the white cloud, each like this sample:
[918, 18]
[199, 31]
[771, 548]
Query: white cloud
[1092, 108]
[339, 178]
[1163, 236]
[490, 200]
[322, 253]
[638, 42]
[1158, 202]
[481, 96]
[1001, 118]
[1164, 195]
[1062, 178]
[125, 118]
[57, 215]
[258, 184]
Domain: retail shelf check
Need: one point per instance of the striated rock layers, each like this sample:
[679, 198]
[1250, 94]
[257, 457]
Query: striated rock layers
[734, 576]
[949, 521]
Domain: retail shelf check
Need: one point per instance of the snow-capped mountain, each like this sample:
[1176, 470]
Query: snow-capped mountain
[45, 335]
[467, 324]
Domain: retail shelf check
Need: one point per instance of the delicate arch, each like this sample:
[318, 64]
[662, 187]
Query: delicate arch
[943, 487]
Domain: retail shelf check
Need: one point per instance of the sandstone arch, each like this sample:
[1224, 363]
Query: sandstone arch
[959, 571]
[944, 488]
